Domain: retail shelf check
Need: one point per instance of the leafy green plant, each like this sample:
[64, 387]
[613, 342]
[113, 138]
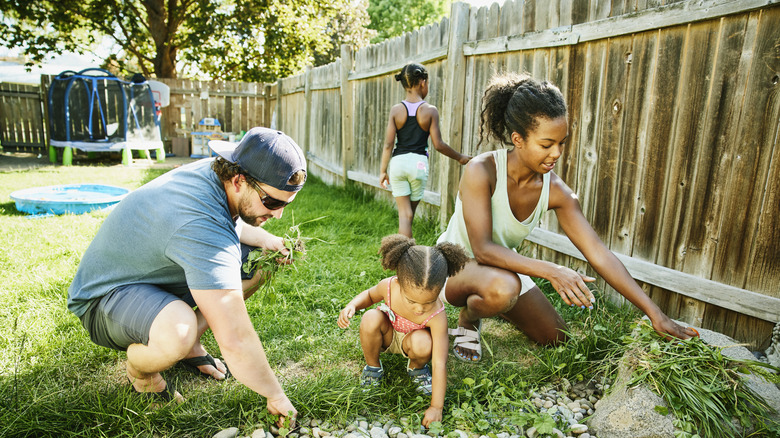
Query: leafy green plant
[704, 389]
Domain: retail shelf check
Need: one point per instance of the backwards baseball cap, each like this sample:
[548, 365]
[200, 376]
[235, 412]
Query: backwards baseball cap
[267, 155]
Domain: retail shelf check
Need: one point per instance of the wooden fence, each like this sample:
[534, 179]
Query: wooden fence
[21, 117]
[674, 113]
[237, 105]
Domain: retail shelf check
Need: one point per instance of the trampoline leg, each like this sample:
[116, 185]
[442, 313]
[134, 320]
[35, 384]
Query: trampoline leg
[52, 155]
[127, 156]
[67, 156]
[161, 155]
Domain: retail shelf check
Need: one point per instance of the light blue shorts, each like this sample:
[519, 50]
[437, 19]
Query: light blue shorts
[408, 175]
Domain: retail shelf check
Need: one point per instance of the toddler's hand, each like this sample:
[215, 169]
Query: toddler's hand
[431, 415]
[345, 315]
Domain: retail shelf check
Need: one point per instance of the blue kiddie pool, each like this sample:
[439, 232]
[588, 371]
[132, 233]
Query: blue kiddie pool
[67, 198]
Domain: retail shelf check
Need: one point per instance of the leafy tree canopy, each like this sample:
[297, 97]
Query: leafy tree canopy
[244, 40]
[391, 18]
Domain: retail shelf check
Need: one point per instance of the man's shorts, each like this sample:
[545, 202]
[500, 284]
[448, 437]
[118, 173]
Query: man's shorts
[125, 315]
[408, 175]
[527, 284]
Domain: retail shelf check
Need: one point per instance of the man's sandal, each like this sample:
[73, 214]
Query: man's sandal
[193, 363]
[469, 339]
[372, 376]
[423, 378]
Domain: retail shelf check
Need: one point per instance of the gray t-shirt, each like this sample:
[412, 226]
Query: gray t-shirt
[175, 232]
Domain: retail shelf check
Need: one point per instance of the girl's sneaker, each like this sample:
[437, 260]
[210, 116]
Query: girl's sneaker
[372, 376]
[423, 378]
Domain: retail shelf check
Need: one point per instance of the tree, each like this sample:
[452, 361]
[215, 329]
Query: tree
[391, 18]
[250, 40]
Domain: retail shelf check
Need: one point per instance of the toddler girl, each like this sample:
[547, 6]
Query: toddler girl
[411, 321]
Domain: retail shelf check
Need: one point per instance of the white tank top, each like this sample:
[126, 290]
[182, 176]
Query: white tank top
[507, 230]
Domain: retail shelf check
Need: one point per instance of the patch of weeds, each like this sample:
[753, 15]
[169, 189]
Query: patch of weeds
[704, 389]
[491, 406]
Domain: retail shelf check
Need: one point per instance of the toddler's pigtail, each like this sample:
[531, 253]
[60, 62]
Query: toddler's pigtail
[393, 248]
[455, 256]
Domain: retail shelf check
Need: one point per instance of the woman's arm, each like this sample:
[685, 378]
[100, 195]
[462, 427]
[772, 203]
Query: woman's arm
[440, 341]
[387, 149]
[431, 112]
[581, 233]
[363, 300]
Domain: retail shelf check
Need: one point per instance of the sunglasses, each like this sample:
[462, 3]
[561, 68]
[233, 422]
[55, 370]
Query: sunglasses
[268, 202]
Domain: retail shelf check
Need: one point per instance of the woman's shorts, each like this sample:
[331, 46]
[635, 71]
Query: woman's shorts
[408, 175]
[125, 315]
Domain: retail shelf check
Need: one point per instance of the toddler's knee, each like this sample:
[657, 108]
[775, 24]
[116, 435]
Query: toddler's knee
[420, 345]
[372, 320]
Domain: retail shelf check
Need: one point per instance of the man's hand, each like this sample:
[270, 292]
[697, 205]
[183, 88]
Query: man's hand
[283, 407]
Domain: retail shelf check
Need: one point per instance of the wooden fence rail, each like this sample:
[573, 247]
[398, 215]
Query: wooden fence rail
[674, 117]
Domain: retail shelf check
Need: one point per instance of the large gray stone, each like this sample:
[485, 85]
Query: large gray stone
[630, 412]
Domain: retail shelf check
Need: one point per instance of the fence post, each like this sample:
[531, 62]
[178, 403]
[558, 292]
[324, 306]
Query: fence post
[452, 108]
[267, 106]
[347, 150]
[278, 126]
[307, 111]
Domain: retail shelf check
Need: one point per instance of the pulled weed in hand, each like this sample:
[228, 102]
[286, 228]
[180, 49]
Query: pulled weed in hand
[269, 262]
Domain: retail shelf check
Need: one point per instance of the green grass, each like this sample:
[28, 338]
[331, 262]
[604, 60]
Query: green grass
[55, 382]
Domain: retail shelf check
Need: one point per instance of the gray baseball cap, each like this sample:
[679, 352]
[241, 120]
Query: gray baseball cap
[267, 155]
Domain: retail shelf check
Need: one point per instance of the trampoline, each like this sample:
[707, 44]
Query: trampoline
[67, 198]
[95, 111]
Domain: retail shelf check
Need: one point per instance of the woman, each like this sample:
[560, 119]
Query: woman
[501, 198]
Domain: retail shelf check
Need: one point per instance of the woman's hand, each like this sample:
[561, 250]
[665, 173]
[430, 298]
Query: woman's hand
[431, 414]
[345, 315]
[464, 158]
[666, 328]
[571, 286]
[383, 180]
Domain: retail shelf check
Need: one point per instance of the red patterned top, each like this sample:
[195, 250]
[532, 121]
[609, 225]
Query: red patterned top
[400, 323]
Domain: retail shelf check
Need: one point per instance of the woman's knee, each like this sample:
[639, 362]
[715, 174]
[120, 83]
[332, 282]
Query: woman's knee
[501, 290]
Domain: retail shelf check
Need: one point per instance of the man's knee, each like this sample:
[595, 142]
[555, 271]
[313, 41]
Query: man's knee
[175, 330]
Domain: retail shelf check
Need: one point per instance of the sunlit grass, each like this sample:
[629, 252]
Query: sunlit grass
[55, 382]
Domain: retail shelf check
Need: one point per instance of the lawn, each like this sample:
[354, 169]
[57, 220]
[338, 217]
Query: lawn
[55, 382]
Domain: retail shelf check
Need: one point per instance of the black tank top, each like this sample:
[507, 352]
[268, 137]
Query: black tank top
[411, 138]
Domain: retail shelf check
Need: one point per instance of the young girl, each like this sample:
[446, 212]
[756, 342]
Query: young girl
[411, 321]
[412, 121]
[501, 198]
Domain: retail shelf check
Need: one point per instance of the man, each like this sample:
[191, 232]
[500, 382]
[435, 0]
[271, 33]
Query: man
[178, 243]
